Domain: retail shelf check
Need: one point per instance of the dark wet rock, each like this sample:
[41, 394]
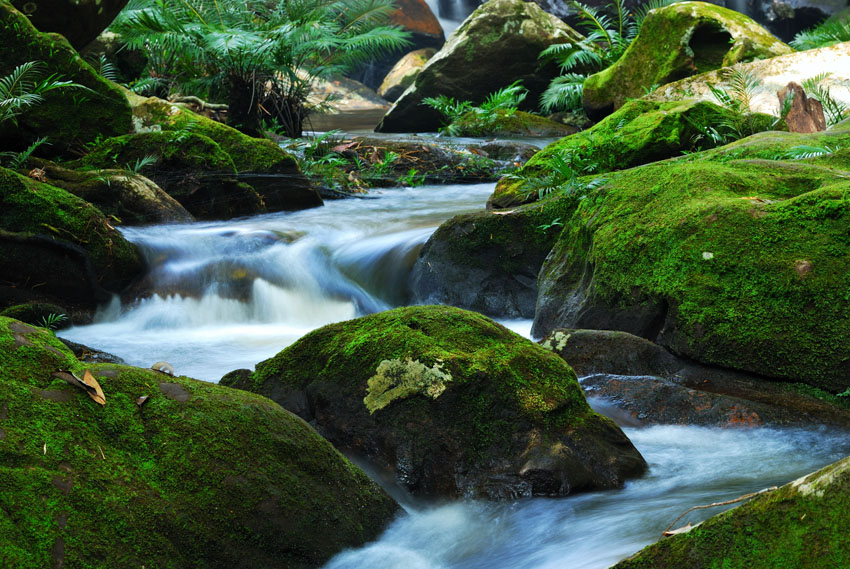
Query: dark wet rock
[194, 476]
[486, 261]
[652, 386]
[453, 403]
[90, 355]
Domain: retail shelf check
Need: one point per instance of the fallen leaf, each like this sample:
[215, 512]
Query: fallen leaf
[142, 400]
[97, 395]
[163, 367]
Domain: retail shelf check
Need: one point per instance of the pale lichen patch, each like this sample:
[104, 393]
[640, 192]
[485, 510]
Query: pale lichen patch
[396, 379]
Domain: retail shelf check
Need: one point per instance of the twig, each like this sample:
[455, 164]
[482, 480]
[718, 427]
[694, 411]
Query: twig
[201, 103]
[726, 503]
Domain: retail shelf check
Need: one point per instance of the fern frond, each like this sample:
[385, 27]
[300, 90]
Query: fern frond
[830, 32]
[564, 93]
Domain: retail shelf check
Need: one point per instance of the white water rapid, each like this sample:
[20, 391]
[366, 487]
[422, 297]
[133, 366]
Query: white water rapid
[230, 294]
[227, 295]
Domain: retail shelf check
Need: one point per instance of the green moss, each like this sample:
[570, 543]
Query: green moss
[802, 524]
[638, 133]
[68, 117]
[249, 154]
[33, 208]
[525, 379]
[502, 122]
[675, 42]
[198, 476]
[749, 256]
[172, 150]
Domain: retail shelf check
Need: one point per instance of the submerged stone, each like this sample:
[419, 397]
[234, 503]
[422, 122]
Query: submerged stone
[451, 402]
[213, 477]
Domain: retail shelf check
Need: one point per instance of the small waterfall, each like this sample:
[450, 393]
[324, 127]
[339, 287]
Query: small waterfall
[224, 295]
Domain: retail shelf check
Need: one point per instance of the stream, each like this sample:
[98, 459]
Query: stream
[226, 295]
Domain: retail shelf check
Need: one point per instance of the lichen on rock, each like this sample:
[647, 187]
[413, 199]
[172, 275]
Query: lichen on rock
[396, 379]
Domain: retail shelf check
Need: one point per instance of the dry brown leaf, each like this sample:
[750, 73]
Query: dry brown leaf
[96, 393]
[142, 400]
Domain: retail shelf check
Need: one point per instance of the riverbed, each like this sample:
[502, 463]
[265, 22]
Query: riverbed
[226, 295]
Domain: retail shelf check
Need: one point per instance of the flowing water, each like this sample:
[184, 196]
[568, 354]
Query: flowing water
[226, 295]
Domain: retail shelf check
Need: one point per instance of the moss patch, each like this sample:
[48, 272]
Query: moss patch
[198, 476]
[744, 258]
[508, 403]
[68, 117]
[802, 524]
[677, 41]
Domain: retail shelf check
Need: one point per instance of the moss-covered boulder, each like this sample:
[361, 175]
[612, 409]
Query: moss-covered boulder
[638, 133]
[734, 257]
[67, 117]
[190, 167]
[505, 123]
[271, 172]
[453, 403]
[126, 197]
[488, 262]
[56, 247]
[801, 524]
[170, 472]
[497, 45]
[676, 41]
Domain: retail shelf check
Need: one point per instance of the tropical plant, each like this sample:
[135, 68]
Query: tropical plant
[834, 111]
[564, 173]
[830, 32]
[467, 118]
[26, 86]
[17, 160]
[53, 320]
[606, 40]
[261, 57]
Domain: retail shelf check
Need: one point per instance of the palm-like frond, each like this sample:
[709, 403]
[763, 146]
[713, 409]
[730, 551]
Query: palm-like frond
[25, 86]
[834, 110]
[564, 92]
[829, 32]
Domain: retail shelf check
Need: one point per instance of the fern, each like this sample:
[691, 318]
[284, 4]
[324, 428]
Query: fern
[804, 151]
[17, 160]
[26, 86]
[564, 92]
[830, 32]
[834, 111]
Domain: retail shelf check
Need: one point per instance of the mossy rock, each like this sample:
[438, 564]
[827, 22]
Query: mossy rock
[510, 124]
[58, 247]
[496, 45]
[488, 262]
[402, 74]
[127, 198]
[190, 167]
[197, 475]
[801, 524]
[677, 41]
[273, 173]
[67, 117]
[38, 314]
[638, 133]
[453, 403]
[725, 257]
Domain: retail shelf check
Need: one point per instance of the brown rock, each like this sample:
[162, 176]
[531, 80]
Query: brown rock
[806, 115]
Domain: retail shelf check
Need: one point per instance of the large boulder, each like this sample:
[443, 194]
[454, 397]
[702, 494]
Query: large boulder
[80, 21]
[676, 41]
[801, 524]
[273, 174]
[170, 472]
[488, 262]
[57, 247]
[453, 403]
[831, 63]
[638, 133]
[402, 74]
[69, 118]
[497, 45]
[734, 257]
